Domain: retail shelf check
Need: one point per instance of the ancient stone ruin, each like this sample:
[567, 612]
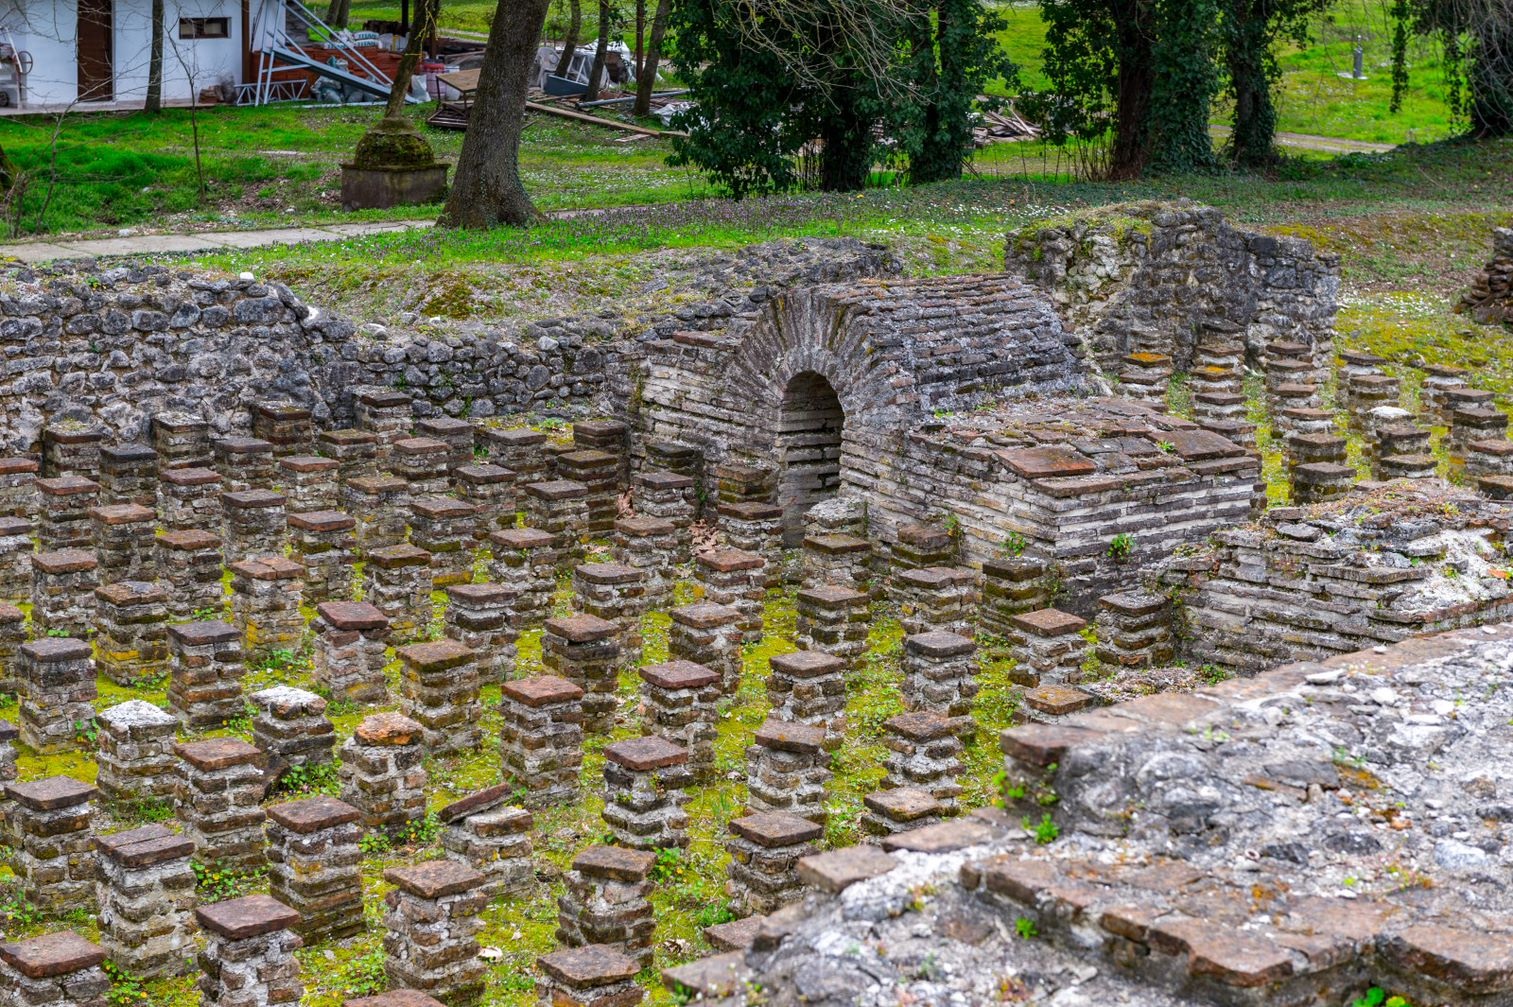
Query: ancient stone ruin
[1490, 299]
[1087, 633]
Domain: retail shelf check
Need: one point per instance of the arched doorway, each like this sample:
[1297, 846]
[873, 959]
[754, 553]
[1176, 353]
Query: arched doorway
[809, 449]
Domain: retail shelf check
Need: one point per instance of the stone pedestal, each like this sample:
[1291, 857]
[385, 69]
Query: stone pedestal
[355, 451]
[438, 688]
[248, 959]
[387, 413]
[541, 739]
[122, 537]
[350, 642]
[591, 976]
[55, 970]
[324, 543]
[481, 616]
[650, 545]
[1049, 646]
[787, 769]
[12, 636]
[1010, 586]
[940, 674]
[63, 512]
[456, 434]
[657, 493]
[519, 449]
[146, 896]
[889, 812]
[205, 682]
[69, 448]
[605, 902]
[559, 507]
[422, 463]
[485, 832]
[265, 598]
[615, 593]
[736, 579]
[756, 527]
[586, 651]
[314, 865]
[190, 498]
[292, 728]
[525, 561]
[398, 583]
[764, 853]
[836, 559]
[380, 505]
[645, 783]
[18, 486]
[833, 619]
[431, 931]
[136, 757]
[285, 425]
[55, 678]
[9, 735]
[189, 565]
[52, 854]
[383, 771]
[15, 559]
[443, 527]
[491, 491]
[63, 586]
[1134, 629]
[709, 635]
[255, 526]
[808, 687]
[245, 463]
[681, 701]
[221, 787]
[599, 473]
[310, 483]
[133, 631]
[924, 753]
[937, 599]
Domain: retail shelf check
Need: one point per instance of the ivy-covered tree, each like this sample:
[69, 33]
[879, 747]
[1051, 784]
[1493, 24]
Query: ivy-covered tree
[1251, 31]
[1477, 37]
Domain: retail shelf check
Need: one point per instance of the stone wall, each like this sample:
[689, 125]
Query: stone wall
[1157, 277]
[1490, 299]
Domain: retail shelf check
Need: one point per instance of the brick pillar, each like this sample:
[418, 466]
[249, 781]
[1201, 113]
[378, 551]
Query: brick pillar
[63, 589]
[248, 959]
[1134, 629]
[431, 931]
[456, 434]
[439, 688]
[9, 734]
[69, 448]
[15, 558]
[605, 902]
[889, 812]
[837, 559]
[189, 564]
[591, 976]
[256, 524]
[350, 640]
[755, 527]
[135, 755]
[324, 543]
[615, 593]
[709, 635]
[122, 539]
[599, 472]
[133, 631]
[480, 616]
[246, 463]
[667, 495]
[1049, 646]
[649, 544]
[491, 489]
[422, 463]
[764, 853]
[788, 768]
[586, 651]
[146, 896]
[398, 583]
[292, 728]
[808, 687]
[220, 789]
[919, 546]
[313, 865]
[59, 969]
[18, 486]
[1010, 586]
[559, 507]
[380, 503]
[387, 413]
[190, 498]
[205, 682]
[937, 598]
[520, 450]
[284, 425]
[833, 619]
[940, 674]
[494, 838]
[681, 701]
[356, 452]
[525, 560]
[265, 598]
[12, 636]
[924, 752]
[645, 787]
[443, 527]
[311, 483]
[383, 771]
[181, 440]
[52, 854]
[737, 579]
[541, 738]
[56, 680]
[602, 435]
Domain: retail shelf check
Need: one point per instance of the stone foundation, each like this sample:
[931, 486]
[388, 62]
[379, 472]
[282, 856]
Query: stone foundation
[383, 771]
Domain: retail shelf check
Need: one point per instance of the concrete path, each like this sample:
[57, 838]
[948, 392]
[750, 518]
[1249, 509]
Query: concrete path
[1322, 144]
[206, 241]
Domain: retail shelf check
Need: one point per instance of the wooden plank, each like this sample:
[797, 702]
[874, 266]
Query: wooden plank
[597, 121]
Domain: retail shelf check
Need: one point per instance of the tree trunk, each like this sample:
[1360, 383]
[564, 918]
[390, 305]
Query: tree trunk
[846, 133]
[409, 59]
[640, 36]
[600, 52]
[1136, 80]
[574, 32]
[1255, 120]
[1490, 76]
[339, 13]
[154, 102]
[646, 77]
[487, 189]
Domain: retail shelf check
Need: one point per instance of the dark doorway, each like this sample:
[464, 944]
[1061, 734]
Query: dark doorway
[809, 447]
[96, 73]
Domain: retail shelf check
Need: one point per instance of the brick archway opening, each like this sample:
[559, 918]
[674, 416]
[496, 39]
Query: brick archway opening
[810, 422]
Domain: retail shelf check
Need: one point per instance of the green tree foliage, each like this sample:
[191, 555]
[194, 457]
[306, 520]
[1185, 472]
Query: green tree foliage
[1477, 36]
[1250, 32]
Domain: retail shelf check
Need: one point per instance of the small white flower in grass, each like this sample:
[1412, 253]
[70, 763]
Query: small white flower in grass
[491, 954]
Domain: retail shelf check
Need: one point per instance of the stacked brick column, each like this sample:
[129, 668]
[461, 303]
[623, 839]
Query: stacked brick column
[615, 593]
[788, 768]
[265, 598]
[1011, 586]
[940, 675]
[833, 619]
[525, 560]
[63, 517]
[599, 473]
[444, 527]
[650, 545]
[356, 452]
[456, 434]
[292, 728]
[52, 856]
[245, 463]
[645, 782]
[541, 739]
[521, 450]
[595, 975]
[764, 853]
[585, 650]
[9, 734]
[55, 677]
[189, 564]
[737, 579]
[836, 559]
[438, 688]
[398, 583]
[205, 683]
[70, 448]
[491, 491]
[422, 463]
[313, 865]
[380, 506]
[310, 483]
[709, 635]
[221, 785]
[324, 543]
[1134, 629]
[129, 474]
[924, 752]
[605, 902]
[284, 425]
[63, 585]
[932, 598]
[559, 507]
[59, 969]
[1049, 646]
[15, 558]
[669, 496]
[756, 527]
[350, 640]
[133, 631]
[480, 616]
[146, 896]
[384, 412]
[12, 636]
[491, 836]
[431, 931]
[122, 536]
[256, 523]
[18, 486]
[135, 756]
[681, 701]
[383, 771]
[248, 959]
[808, 687]
[190, 498]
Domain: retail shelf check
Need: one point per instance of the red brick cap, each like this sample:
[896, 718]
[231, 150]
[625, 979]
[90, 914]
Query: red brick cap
[581, 628]
[389, 728]
[394, 557]
[705, 616]
[608, 573]
[939, 644]
[67, 486]
[129, 513]
[787, 736]
[443, 508]
[51, 794]
[590, 966]
[190, 477]
[65, 561]
[661, 479]
[730, 560]
[615, 863]
[313, 814]
[589, 458]
[679, 675]
[836, 544]
[18, 465]
[189, 540]
[253, 499]
[437, 655]
[421, 446]
[483, 800]
[268, 568]
[522, 538]
[557, 489]
[1049, 622]
[482, 594]
[921, 725]
[303, 464]
[352, 615]
[322, 521]
[51, 649]
[250, 916]
[832, 596]
[144, 847]
[751, 510]
[131, 592]
[647, 753]
[1046, 462]
[435, 879]
[518, 437]
[242, 446]
[52, 955]
[776, 828]
[807, 664]
[219, 753]
[382, 398]
[640, 526]
[430, 425]
[10, 613]
[542, 690]
[201, 634]
[903, 804]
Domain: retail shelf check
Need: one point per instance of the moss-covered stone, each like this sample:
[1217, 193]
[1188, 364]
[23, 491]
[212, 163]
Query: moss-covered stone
[393, 143]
